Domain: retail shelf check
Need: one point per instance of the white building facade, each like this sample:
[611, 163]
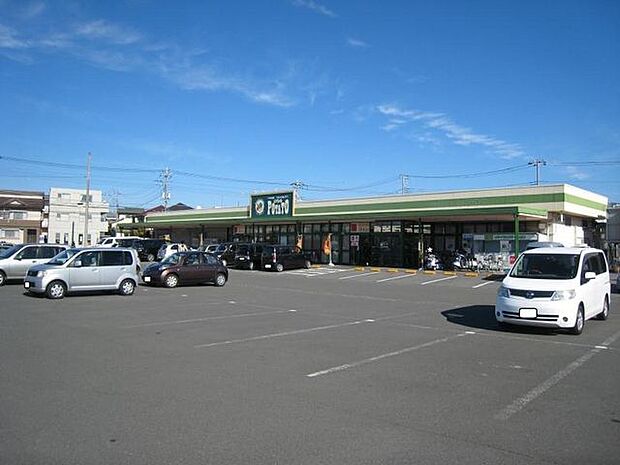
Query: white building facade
[67, 210]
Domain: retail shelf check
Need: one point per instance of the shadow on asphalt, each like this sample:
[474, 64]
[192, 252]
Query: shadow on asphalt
[483, 317]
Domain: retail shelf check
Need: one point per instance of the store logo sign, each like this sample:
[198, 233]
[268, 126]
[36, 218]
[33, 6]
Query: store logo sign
[274, 205]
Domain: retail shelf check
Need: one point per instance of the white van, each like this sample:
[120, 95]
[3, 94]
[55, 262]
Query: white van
[555, 288]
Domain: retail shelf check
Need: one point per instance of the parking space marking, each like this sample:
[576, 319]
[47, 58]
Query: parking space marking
[437, 280]
[285, 333]
[358, 275]
[394, 278]
[520, 403]
[366, 361]
[482, 284]
[207, 318]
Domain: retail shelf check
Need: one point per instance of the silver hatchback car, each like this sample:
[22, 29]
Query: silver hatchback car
[15, 260]
[89, 269]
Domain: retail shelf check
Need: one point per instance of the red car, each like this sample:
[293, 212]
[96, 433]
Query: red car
[186, 268]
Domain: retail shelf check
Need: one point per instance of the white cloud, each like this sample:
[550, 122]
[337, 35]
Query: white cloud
[206, 78]
[314, 6]
[110, 46]
[104, 30]
[575, 173]
[459, 135]
[352, 42]
[10, 40]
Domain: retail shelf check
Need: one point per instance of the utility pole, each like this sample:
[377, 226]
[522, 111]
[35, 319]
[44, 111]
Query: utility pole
[87, 200]
[164, 180]
[404, 184]
[537, 163]
[297, 187]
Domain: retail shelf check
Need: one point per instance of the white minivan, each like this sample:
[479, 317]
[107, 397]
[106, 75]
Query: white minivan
[555, 288]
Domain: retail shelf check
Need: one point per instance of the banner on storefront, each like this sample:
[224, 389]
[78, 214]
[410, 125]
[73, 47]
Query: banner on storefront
[273, 205]
[327, 244]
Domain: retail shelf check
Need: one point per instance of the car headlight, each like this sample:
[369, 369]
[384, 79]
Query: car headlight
[503, 292]
[41, 273]
[563, 295]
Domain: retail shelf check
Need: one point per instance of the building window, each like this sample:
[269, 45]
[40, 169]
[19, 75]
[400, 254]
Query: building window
[57, 238]
[83, 198]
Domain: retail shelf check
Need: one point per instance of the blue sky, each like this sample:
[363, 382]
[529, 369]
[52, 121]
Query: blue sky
[344, 96]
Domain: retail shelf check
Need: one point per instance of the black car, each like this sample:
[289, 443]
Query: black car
[148, 248]
[248, 256]
[283, 257]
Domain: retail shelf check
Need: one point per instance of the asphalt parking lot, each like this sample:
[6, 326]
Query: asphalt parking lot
[320, 366]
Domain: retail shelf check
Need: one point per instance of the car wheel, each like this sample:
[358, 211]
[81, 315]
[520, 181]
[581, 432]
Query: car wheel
[307, 264]
[127, 287]
[2, 278]
[605, 313]
[579, 323]
[172, 280]
[220, 280]
[251, 266]
[279, 267]
[150, 258]
[56, 290]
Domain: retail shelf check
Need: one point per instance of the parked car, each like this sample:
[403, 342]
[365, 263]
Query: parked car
[210, 248]
[537, 245]
[116, 241]
[165, 250]
[186, 268]
[283, 257]
[148, 248]
[15, 261]
[88, 269]
[555, 288]
[248, 256]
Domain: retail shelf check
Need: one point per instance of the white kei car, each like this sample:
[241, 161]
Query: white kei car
[555, 288]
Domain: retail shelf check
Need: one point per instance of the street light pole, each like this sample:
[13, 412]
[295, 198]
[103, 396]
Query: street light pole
[87, 201]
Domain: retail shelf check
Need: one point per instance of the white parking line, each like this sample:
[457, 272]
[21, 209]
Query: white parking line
[358, 275]
[482, 284]
[208, 318]
[437, 280]
[539, 390]
[395, 277]
[348, 366]
[287, 333]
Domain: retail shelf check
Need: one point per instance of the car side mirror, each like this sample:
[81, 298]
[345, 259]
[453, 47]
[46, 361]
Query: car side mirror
[589, 275]
[77, 264]
[19, 258]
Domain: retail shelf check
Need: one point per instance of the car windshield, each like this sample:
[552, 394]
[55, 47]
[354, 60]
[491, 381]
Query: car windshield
[10, 251]
[221, 248]
[546, 266]
[173, 259]
[63, 256]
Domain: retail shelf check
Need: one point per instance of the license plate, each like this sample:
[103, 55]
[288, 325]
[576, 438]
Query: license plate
[27, 285]
[267, 266]
[241, 259]
[528, 313]
[147, 279]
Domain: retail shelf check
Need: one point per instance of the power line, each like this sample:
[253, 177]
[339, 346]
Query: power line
[509, 169]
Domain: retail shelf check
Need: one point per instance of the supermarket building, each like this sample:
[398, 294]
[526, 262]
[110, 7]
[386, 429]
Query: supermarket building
[395, 230]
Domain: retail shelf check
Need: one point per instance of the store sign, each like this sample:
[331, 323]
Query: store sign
[511, 237]
[360, 227]
[275, 205]
[354, 240]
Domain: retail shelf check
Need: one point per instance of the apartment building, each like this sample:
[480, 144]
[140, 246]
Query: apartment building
[23, 216]
[67, 216]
